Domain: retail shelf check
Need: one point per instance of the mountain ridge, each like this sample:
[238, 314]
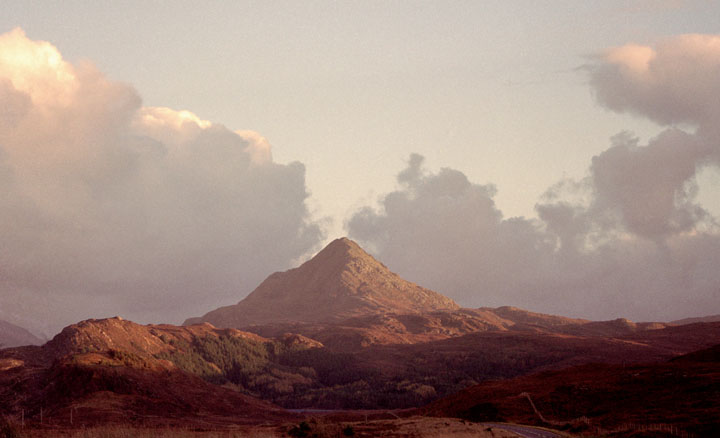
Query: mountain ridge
[697, 319]
[346, 299]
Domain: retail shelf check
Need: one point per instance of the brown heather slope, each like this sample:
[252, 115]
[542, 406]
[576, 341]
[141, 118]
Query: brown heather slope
[113, 371]
[116, 369]
[14, 336]
[355, 333]
[404, 375]
[340, 282]
[680, 395]
[451, 364]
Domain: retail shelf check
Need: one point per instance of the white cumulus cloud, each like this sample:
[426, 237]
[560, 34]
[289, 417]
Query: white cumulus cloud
[108, 207]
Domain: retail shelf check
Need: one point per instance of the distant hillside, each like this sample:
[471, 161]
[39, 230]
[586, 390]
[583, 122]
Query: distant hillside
[340, 282]
[14, 336]
[710, 318]
[390, 328]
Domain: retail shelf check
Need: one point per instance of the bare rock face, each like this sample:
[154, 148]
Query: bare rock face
[341, 281]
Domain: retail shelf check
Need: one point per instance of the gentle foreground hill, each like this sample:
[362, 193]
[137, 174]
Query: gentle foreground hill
[340, 282]
[14, 336]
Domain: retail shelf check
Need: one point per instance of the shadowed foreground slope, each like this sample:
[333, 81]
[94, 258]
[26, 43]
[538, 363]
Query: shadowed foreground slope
[680, 395]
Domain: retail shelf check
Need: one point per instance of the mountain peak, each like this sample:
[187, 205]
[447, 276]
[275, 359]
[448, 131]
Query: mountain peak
[342, 243]
[341, 250]
[341, 281]
[342, 256]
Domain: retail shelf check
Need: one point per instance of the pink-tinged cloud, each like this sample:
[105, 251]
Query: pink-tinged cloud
[678, 81]
[108, 207]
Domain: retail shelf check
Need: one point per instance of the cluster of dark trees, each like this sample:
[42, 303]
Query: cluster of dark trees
[301, 377]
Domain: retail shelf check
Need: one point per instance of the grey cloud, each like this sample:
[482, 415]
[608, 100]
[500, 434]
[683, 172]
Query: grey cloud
[567, 222]
[650, 188]
[451, 237]
[445, 232]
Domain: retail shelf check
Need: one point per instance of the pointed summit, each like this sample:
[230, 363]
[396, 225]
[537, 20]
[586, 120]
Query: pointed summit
[341, 281]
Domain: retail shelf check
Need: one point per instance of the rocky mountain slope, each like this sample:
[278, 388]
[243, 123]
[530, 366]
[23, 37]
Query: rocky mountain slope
[340, 282]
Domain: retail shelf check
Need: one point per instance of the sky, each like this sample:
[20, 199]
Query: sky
[158, 160]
